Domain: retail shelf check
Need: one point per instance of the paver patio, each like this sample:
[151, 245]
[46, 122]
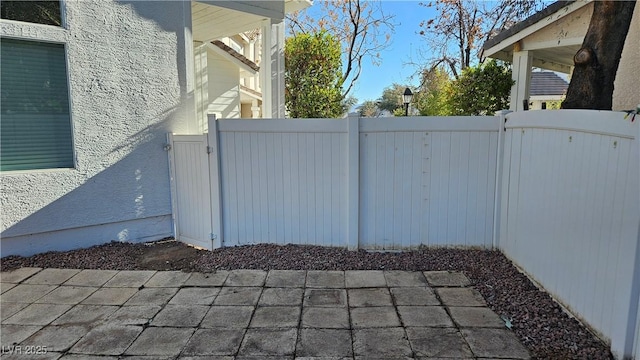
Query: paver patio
[248, 314]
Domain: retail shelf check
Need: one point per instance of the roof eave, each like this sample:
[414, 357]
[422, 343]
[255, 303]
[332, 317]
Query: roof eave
[507, 38]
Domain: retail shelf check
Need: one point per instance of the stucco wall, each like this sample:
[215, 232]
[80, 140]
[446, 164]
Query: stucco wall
[626, 94]
[130, 84]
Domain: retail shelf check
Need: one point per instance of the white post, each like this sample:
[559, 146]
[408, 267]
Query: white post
[521, 74]
[201, 86]
[497, 201]
[632, 340]
[215, 183]
[272, 69]
[353, 182]
[186, 64]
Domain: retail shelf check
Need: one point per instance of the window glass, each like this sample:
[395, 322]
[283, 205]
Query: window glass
[39, 12]
[35, 125]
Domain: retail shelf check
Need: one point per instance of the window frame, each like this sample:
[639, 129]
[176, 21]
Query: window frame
[59, 35]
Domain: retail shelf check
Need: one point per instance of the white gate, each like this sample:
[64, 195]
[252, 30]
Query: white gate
[191, 190]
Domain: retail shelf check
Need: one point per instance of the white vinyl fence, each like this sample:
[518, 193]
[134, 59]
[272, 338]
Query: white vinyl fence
[570, 211]
[356, 183]
[558, 192]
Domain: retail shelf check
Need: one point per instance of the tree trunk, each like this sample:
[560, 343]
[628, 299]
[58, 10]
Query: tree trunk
[596, 63]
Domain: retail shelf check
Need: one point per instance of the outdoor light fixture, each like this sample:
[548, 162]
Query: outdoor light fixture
[407, 96]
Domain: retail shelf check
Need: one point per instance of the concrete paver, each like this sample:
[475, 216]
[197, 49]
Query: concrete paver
[67, 295]
[374, 317]
[228, 317]
[18, 275]
[325, 279]
[167, 279]
[238, 296]
[475, 317]
[134, 315]
[161, 341]
[180, 316]
[281, 296]
[414, 296]
[207, 279]
[37, 314]
[325, 297]
[4, 287]
[197, 296]
[157, 295]
[460, 297]
[495, 343]
[275, 317]
[129, 279]
[313, 342]
[381, 343]
[405, 278]
[251, 314]
[286, 278]
[7, 309]
[434, 316]
[86, 315]
[325, 317]
[27, 293]
[364, 279]
[57, 338]
[272, 342]
[109, 339]
[110, 296]
[91, 277]
[51, 276]
[246, 278]
[15, 334]
[369, 297]
[438, 342]
[447, 278]
[214, 342]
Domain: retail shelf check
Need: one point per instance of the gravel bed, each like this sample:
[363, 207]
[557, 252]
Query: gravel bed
[540, 323]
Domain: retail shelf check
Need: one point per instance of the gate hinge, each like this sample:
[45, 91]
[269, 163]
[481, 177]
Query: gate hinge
[167, 147]
[209, 149]
[214, 236]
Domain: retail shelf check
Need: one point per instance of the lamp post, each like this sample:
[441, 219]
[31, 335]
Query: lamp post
[407, 96]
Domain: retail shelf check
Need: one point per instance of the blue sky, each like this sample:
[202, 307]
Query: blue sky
[406, 45]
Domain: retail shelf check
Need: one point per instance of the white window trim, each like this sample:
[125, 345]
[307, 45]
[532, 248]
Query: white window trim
[21, 30]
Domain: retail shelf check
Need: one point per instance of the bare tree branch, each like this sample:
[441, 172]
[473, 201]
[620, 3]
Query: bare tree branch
[360, 25]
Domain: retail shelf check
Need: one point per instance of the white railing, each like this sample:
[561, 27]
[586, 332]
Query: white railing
[558, 192]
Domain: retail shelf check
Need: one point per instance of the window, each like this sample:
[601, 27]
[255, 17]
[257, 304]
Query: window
[39, 12]
[35, 125]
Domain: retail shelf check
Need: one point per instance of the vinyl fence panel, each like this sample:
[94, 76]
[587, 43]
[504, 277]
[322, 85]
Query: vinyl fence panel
[570, 212]
[284, 181]
[427, 181]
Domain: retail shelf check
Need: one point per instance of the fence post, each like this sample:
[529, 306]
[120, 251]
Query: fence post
[497, 200]
[632, 341]
[353, 181]
[215, 182]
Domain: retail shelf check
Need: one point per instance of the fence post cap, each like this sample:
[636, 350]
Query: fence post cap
[502, 112]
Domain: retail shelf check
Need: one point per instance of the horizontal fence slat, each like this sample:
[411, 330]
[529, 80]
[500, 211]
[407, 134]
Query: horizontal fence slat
[430, 123]
[586, 121]
[284, 125]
